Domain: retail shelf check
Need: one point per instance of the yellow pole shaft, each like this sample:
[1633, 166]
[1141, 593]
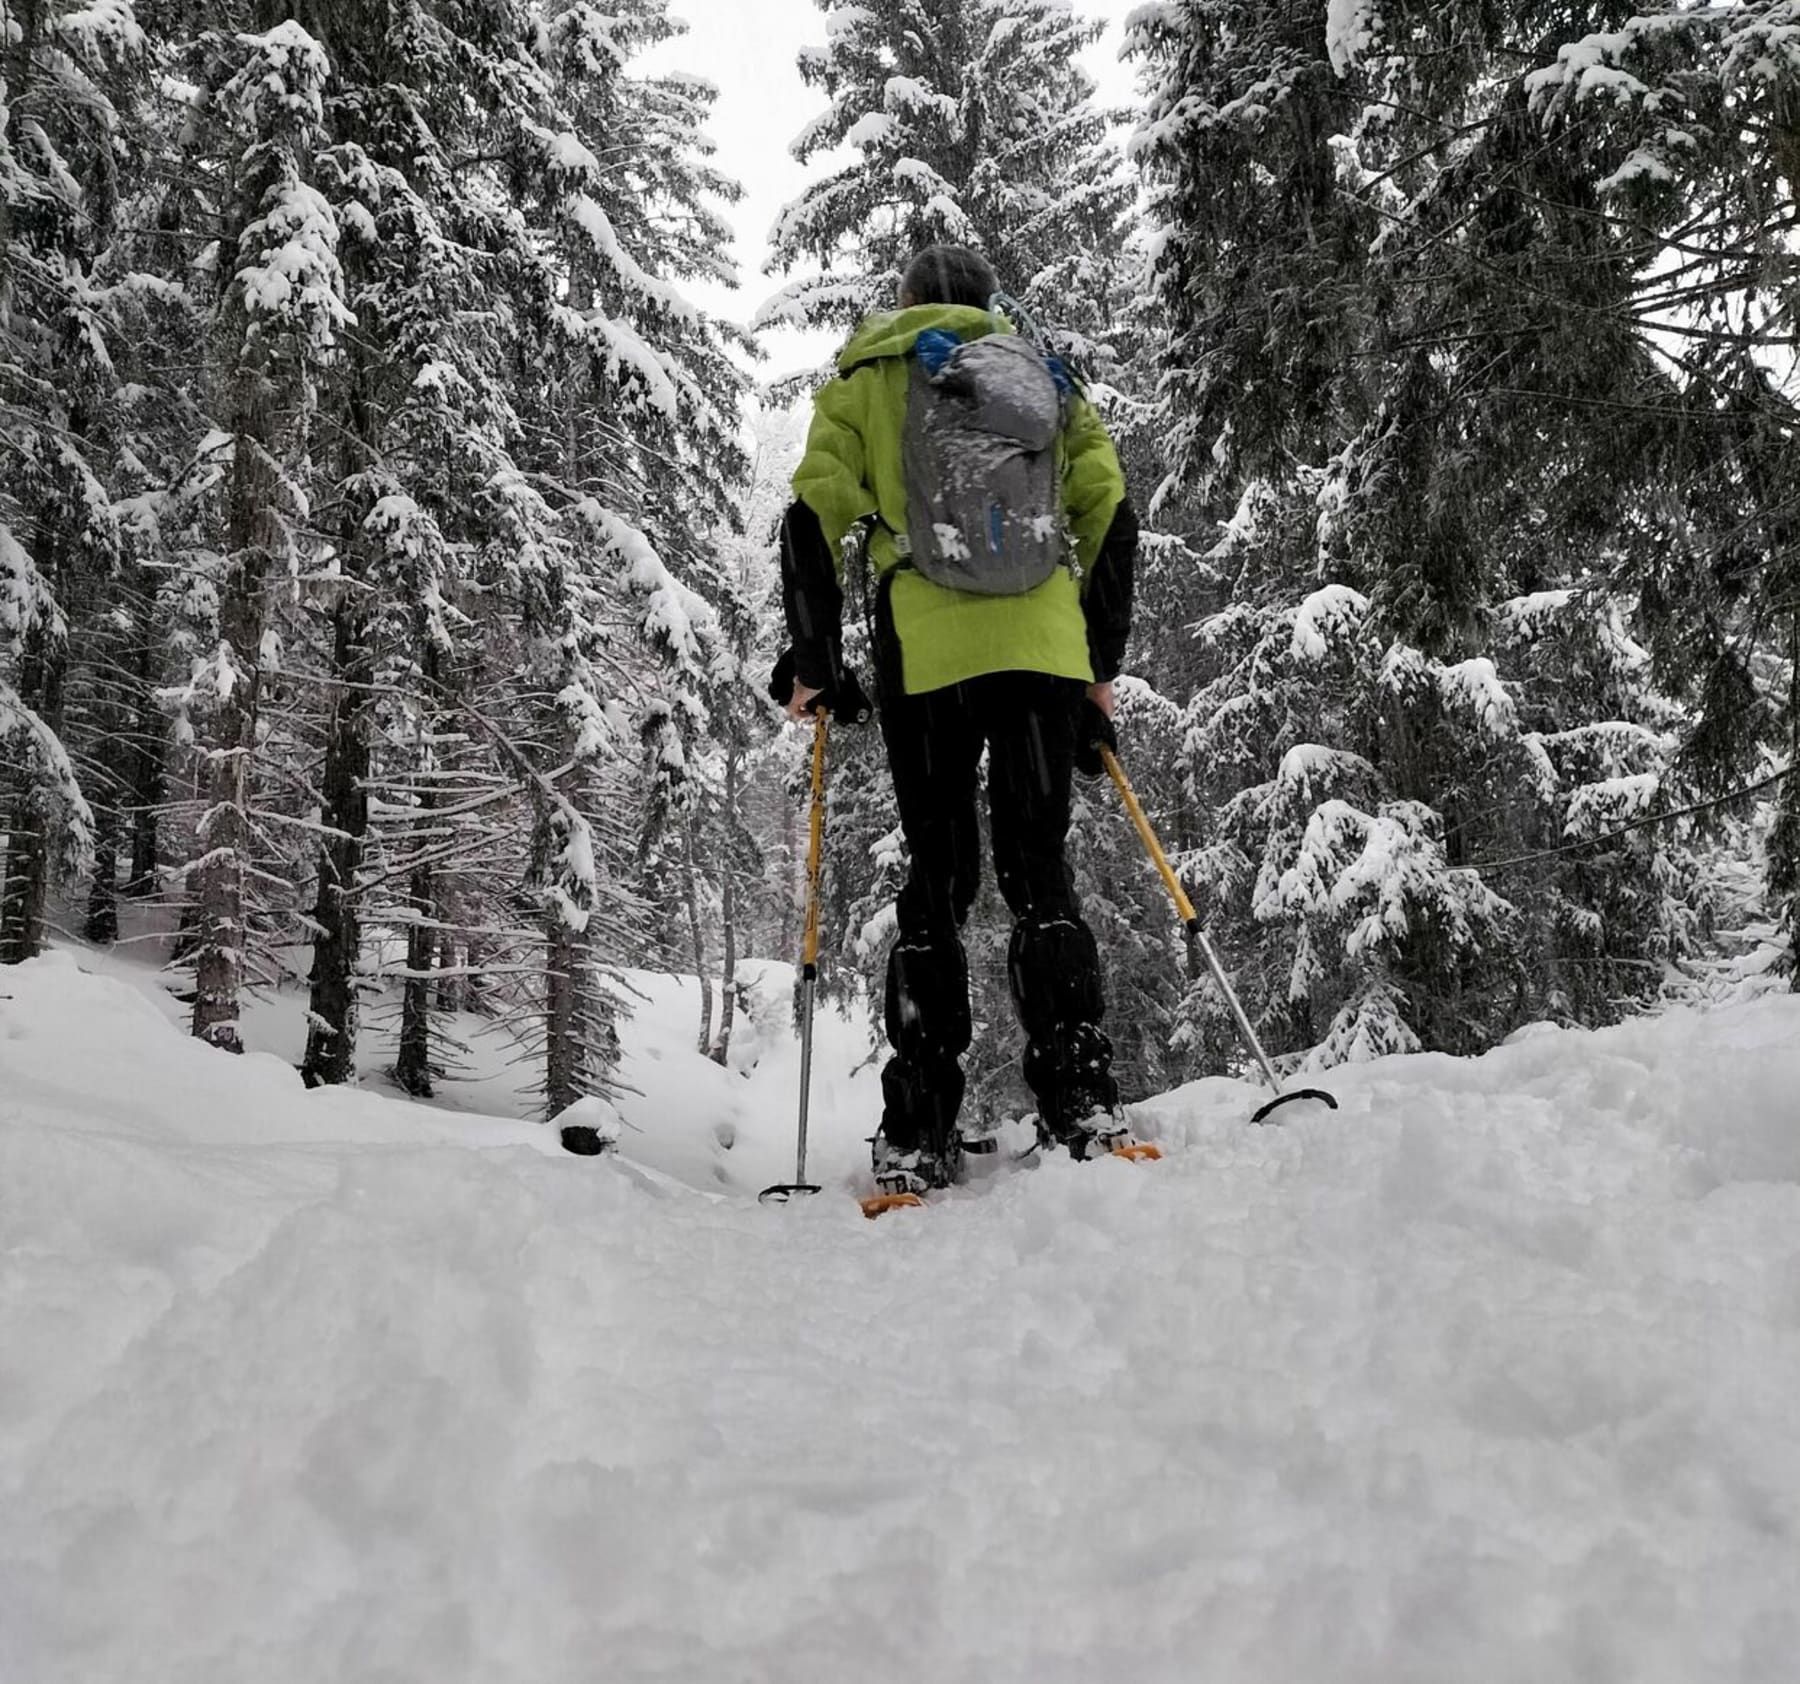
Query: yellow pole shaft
[1148, 836]
[1186, 908]
[815, 851]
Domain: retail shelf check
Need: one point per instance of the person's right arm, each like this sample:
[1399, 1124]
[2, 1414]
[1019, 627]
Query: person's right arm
[831, 496]
[813, 602]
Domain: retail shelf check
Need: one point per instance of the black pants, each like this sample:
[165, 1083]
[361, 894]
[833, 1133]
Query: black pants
[1026, 720]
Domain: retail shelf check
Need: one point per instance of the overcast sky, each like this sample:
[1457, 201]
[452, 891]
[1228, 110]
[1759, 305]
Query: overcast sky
[746, 49]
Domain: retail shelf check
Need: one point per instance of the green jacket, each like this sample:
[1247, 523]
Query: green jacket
[852, 470]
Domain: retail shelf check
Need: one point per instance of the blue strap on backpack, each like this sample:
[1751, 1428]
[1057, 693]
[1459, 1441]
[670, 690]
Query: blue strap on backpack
[935, 346]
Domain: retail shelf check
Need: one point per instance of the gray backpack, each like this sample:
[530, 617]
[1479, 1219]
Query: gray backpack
[983, 484]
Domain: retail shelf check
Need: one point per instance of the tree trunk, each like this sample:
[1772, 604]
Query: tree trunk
[721, 1047]
[698, 939]
[412, 1068]
[450, 958]
[465, 996]
[102, 923]
[22, 899]
[114, 714]
[25, 894]
[344, 777]
[18, 56]
[412, 1065]
[224, 834]
[337, 943]
[144, 778]
[224, 828]
[565, 1054]
[1787, 799]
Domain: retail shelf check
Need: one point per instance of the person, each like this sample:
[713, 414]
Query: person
[1028, 676]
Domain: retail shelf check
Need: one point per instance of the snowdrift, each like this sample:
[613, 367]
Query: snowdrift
[1490, 1376]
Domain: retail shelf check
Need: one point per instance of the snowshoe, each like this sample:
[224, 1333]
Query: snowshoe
[1101, 1134]
[881, 1203]
[914, 1169]
[982, 1138]
[904, 1175]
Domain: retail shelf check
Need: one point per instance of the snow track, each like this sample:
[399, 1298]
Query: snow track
[1491, 1376]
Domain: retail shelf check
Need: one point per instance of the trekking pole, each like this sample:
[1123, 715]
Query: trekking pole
[782, 1191]
[1191, 919]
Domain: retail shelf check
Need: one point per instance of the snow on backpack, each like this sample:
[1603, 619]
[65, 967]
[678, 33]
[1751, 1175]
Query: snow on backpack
[983, 480]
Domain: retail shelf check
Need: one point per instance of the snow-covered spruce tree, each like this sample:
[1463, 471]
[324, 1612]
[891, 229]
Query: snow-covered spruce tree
[379, 598]
[640, 229]
[1369, 273]
[521, 386]
[424, 434]
[446, 437]
[173, 460]
[1241, 183]
[69, 79]
[746, 819]
[1622, 415]
[427, 806]
[1606, 742]
[1330, 892]
[257, 126]
[737, 851]
[561, 721]
[1234, 147]
[649, 391]
[1681, 127]
[970, 121]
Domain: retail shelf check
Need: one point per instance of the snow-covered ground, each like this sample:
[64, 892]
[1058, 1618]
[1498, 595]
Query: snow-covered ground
[1493, 1375]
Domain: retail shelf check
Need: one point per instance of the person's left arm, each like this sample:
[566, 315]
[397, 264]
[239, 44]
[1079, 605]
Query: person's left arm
[831, 494]
[812, 600]
[1105, 528]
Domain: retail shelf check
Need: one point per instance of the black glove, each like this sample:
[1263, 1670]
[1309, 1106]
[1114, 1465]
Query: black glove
[1092, 729]
[781, 680]
[843, 697]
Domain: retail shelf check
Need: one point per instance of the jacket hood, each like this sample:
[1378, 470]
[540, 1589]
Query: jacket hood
[892, 333]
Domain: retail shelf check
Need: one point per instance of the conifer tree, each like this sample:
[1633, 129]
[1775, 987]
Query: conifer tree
[970, 121]
[276, 320]
[1396, 320]
[743, 855]
[69, 81]
[1680, 128]
[405, 543]
[519, 458]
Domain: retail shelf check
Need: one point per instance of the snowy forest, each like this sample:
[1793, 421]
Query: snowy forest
[388, 564]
